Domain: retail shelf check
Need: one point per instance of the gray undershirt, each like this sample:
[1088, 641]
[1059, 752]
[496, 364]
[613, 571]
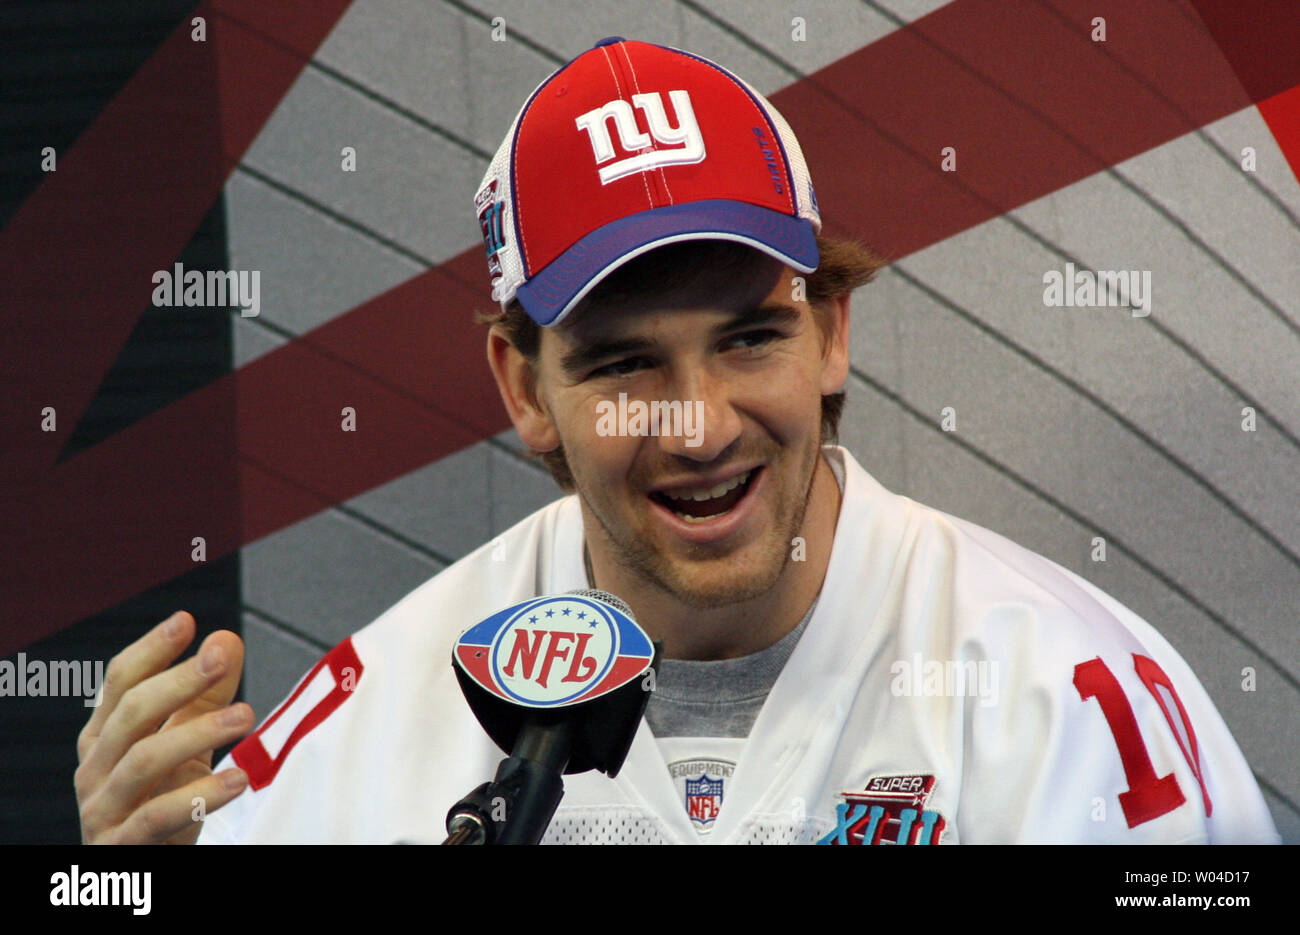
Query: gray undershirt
[717, 698]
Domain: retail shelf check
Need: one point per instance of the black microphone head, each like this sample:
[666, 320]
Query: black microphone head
[525, 665]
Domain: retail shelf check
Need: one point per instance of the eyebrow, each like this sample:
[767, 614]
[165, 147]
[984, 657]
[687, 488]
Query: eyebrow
[576, 362]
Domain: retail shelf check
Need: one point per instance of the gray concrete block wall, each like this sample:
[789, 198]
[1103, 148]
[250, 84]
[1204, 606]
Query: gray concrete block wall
[1072, 423]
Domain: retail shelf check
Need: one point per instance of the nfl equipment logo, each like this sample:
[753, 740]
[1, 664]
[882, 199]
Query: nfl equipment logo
[703, 800]
[701, 783]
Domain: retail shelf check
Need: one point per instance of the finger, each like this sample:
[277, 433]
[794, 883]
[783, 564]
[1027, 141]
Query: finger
[194, 768]
[147, 656]
[223, 691]
[155, 758]
[143, 708]
[171, 815]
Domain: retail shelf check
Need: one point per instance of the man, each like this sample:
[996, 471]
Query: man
[843, 665]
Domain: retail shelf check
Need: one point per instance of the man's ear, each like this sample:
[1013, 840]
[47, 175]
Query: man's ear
[835, 359]
[517, 382]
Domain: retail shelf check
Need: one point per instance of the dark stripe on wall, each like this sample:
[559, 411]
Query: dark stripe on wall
[60, 63]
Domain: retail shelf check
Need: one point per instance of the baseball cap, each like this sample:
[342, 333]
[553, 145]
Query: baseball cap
[629, 147]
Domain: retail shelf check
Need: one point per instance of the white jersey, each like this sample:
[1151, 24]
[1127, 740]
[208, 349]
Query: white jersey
[950, 687]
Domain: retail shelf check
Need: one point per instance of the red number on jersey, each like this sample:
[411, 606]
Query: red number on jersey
[1148, 796]
[329, 683]
[1152, 675]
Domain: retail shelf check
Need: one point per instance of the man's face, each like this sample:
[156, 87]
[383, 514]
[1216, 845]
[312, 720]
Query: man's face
[708, 514]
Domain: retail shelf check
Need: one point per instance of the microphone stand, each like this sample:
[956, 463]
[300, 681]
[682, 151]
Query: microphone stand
[517, 806]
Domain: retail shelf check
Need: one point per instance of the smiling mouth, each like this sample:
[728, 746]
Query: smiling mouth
[702, 505]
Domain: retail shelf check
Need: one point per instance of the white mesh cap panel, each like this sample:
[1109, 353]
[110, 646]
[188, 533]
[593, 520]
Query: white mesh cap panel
[803, 196]
[512, 263]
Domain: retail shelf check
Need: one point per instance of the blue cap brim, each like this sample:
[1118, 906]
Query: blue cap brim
[549, 296]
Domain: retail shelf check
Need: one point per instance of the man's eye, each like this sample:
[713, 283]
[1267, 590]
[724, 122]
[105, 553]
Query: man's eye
[755, 339]
[619, 368]
[747, 340]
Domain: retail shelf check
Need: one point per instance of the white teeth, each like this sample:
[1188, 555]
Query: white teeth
[712, 493]
[695, 519]
[709, 493]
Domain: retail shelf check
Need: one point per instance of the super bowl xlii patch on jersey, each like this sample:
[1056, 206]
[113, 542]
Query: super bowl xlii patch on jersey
[890, 810]
[701, 784]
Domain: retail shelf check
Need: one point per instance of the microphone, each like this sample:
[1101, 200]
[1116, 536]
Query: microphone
[557, 683]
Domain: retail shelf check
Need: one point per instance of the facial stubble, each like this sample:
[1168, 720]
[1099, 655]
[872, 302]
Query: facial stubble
[635, 554]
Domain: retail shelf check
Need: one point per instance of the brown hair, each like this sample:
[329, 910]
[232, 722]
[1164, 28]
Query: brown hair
[845, 265]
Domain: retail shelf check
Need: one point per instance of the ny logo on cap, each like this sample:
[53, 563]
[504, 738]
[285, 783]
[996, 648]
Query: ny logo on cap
[685, 137]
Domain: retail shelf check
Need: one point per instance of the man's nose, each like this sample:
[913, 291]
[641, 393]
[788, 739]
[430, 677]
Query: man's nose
[709, 423]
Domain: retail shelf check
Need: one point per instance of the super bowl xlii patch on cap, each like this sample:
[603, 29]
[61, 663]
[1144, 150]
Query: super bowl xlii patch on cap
[629, 147]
